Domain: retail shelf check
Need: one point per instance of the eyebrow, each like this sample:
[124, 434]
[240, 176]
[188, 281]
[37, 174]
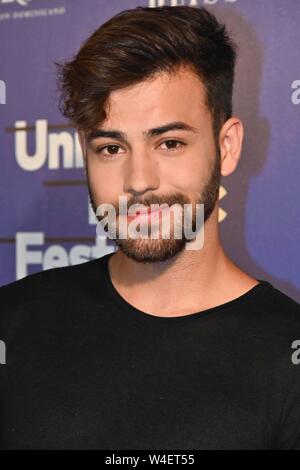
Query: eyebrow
[121, 136]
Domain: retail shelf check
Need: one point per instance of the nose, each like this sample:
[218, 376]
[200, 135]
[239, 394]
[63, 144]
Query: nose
[142, 174]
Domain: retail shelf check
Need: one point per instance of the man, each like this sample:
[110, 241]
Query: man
[164, 344]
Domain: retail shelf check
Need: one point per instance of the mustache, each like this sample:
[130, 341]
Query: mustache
[146, 202]
[175, 198]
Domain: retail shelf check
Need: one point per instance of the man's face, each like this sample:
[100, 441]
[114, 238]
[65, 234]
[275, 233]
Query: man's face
[177, 166]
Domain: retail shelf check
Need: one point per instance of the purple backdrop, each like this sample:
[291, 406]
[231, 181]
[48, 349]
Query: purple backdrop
[45, 217]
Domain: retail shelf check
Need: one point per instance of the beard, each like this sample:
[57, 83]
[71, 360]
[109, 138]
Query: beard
[150, 250]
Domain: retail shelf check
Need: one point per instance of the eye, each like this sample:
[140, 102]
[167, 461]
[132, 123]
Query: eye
[173, 145]
[111, 153]
[112, 149]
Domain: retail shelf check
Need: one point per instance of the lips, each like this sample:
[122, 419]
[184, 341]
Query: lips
[143, 213]
[146, 213]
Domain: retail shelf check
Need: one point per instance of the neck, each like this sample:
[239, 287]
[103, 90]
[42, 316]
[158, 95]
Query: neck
[191, 281]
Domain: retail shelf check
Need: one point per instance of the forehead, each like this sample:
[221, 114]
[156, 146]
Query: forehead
[162, 98]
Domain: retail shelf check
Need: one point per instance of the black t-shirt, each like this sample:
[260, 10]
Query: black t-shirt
[86, 370]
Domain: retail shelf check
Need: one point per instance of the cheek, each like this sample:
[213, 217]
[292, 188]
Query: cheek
[105, 183]
[186, 175]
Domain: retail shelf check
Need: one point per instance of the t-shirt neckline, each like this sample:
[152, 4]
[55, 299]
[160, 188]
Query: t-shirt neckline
[118, 300]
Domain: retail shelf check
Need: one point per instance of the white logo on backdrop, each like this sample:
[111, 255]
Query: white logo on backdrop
[191, 3]
[52, 149]
[31, 12]
[23, 3]
[31, 250]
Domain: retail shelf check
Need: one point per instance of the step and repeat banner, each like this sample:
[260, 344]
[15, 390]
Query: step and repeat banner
[45, 218]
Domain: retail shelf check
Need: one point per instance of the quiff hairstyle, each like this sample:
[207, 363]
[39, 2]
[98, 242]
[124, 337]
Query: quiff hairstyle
[135, 45]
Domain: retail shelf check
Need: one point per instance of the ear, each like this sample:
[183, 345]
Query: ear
[82, 142]
[230, 142]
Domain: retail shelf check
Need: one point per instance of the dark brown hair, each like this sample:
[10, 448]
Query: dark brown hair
[134, 45]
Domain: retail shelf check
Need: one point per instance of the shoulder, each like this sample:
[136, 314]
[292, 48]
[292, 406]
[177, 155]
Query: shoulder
[271, 328]
[272, 314]
[276, 308]
[279, 331]
[48, 290]
[59, 278]
[262, 324]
